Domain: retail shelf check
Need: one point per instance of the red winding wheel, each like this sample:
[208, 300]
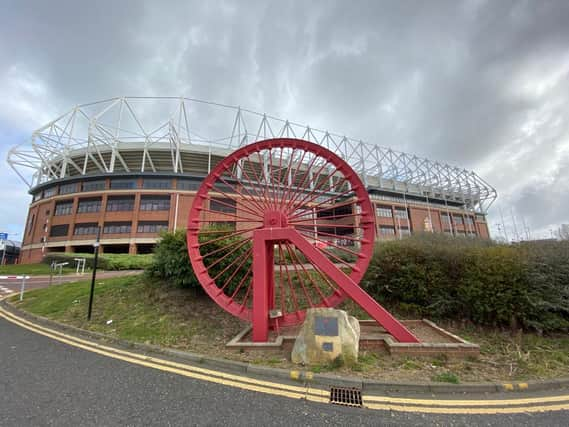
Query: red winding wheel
[280, 226]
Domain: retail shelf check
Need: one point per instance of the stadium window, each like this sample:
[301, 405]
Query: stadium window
[37, 196]
[151, 227]
[85, 228]
[68, 188]
[457, 219]
[445, 218]
[89, 205]
[116, 227]
[223, 188]
[386, 230]
[123, 184]
[120, 203]
[155, 203]
[223, 205]
[469, 220]
[64, 208]
[49, 192]
[157, 184]
[59, 230]
[401, 213]
[187, 184]
[405, 231]
[31, 223]
[93, 185]
[384, 211]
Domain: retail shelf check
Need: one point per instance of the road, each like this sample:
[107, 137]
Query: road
[47, 382]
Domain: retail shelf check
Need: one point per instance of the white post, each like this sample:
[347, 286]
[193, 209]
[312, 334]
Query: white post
[23, 286]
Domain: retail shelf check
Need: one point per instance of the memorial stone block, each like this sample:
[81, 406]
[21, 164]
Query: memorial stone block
[327, 334]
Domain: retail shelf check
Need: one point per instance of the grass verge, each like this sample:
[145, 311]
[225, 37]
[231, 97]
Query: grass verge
[137, 309]
[30, 269]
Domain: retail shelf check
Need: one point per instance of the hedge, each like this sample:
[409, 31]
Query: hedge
[105, 261]
[437, 276]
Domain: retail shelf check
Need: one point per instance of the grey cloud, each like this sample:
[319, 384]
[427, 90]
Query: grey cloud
[454, 81]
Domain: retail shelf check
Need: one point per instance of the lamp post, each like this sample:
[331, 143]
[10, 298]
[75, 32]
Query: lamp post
[95, 259]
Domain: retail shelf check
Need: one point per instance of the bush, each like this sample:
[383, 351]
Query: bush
[443, 277]
[104, 262]
[172, 263]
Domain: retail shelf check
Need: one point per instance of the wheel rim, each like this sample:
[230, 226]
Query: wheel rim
[292, 183]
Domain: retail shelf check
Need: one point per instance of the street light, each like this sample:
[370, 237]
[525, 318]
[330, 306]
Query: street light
[95, 259]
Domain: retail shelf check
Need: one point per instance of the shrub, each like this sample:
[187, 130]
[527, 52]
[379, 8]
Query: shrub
[104, 262]
[440, 276]
[171, 261]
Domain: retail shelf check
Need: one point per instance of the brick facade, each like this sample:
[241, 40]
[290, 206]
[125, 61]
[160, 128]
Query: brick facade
[395, 217]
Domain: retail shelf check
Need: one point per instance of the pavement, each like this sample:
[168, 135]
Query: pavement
[53, 376]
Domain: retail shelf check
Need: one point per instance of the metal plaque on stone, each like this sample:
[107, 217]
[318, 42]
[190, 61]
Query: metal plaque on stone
[326, 326]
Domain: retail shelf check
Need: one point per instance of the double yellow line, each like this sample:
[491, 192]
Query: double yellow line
[313, 394]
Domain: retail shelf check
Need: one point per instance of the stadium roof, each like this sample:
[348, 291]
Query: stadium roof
[152, 134]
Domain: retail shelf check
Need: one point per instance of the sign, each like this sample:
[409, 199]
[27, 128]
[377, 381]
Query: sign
[326, 326]
[3, 236]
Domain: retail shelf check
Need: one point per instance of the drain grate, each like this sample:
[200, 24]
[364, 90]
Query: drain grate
[346, 396]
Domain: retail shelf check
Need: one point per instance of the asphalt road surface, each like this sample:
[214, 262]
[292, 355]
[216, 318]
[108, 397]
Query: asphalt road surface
[45, 382]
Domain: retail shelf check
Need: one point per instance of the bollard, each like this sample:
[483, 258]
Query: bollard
[23, 286]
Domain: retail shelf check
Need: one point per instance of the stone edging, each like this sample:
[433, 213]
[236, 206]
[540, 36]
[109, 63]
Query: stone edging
[302, 376]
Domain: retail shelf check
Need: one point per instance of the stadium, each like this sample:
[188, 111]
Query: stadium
[131, 166]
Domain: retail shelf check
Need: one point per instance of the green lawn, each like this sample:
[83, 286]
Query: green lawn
[137, 309]
[30, 269]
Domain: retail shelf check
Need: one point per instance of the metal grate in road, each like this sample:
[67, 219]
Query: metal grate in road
[346, 396]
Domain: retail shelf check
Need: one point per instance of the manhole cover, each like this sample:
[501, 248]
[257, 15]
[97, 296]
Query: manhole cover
[346, 396]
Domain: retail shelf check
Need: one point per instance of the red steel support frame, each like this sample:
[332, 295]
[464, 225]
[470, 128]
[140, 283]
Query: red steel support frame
[263, 287]
[270, 205]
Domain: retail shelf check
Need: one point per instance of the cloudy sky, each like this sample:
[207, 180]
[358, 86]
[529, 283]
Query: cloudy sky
[479, 84]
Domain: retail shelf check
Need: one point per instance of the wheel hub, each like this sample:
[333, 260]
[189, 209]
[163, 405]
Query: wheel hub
[275, 219]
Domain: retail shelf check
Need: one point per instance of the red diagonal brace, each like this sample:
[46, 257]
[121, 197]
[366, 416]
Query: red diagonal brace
[263, 241]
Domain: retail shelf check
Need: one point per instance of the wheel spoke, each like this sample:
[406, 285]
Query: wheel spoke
[236, 233]
[229, 214]
[299, 276]
[245, 255]
[291, 290]
[310, 278]
[288, 184]
[335, 206]
[293, 200]
[252, 198]
[240, 206]
[228, 281]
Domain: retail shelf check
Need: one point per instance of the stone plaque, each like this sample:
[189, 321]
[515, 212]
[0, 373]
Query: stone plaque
[326, 326]
[328, 346]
